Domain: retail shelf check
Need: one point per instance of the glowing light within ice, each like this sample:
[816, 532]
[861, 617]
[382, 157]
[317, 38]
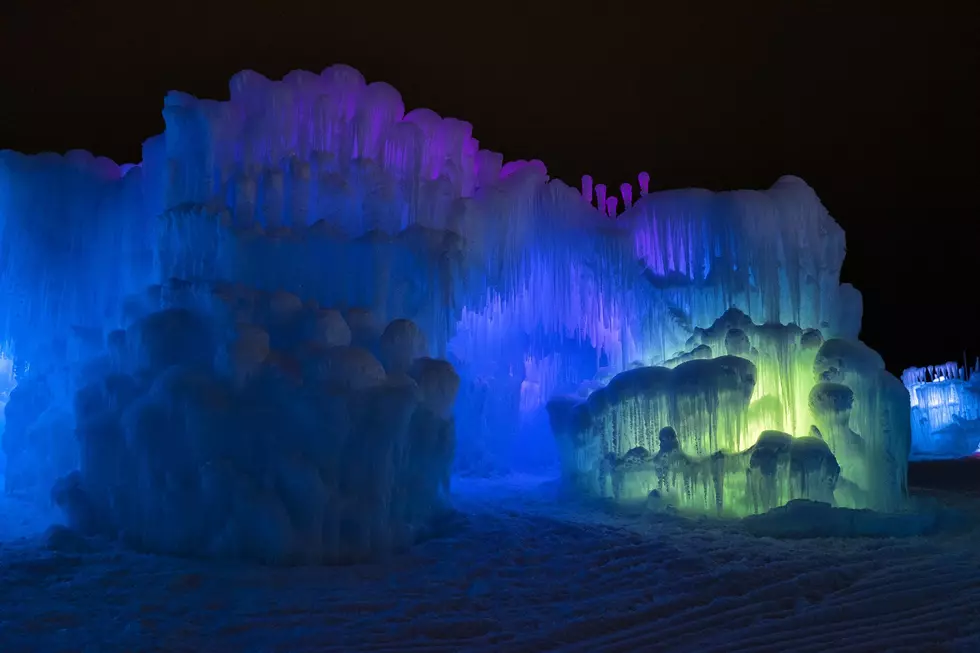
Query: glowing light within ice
[756, 415]
[324, 185]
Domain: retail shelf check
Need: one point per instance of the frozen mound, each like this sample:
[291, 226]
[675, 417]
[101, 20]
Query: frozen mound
[227, 422]
[945, 402]
[800, 519]
[752, 417]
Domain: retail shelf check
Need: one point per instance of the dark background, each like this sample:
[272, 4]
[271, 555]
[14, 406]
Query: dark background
[874, 104]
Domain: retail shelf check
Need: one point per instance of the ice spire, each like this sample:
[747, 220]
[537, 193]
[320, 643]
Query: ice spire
[644, 184]
[626, 190]
[611, 203]
[587, 188]
[600, 196]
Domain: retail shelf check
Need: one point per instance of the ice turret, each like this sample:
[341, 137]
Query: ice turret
[644, 179]
[611, 203]
[600, 197]
[626, 190]
[587, 188]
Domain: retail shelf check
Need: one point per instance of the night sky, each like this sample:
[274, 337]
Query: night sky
[876, 107]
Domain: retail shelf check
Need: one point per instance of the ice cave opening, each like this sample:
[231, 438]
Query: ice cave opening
[277, 336]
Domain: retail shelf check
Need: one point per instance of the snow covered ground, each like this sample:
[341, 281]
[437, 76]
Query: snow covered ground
[521, 571]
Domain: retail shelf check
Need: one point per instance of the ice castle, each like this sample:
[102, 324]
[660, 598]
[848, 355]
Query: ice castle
[271, 338]
[945, 410]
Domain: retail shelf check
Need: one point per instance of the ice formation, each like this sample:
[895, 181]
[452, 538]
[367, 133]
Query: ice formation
[323, 187]
[748, 419]
[241, 424]
[945, 403]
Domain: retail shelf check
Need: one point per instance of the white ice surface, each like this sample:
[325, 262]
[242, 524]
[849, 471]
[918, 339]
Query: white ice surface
[526, 573]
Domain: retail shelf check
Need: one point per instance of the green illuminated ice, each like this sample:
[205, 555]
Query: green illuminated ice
[749, 418]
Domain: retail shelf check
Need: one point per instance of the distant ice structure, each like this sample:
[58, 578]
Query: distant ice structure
[7, 384]
[945, 403]
[323, 187]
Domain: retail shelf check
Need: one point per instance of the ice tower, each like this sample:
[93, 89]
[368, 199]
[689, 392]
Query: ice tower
[698, 344]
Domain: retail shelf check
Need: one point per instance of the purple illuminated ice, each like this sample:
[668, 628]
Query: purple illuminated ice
[324, 186]
[644, 179]
[587, 188]
[600, 196]
[626, 190]
[611, 203]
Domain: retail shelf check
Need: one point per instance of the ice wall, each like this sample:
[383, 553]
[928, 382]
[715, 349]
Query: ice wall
[232, 423]
[324, 186]
[945, 402]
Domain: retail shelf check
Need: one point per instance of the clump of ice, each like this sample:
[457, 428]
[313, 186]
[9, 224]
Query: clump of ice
[230, 423]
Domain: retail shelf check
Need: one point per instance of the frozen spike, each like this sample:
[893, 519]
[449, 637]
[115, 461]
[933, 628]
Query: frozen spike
[600, 196]
[587, 188]
[644, 179]
[626, 190]
[611, 203]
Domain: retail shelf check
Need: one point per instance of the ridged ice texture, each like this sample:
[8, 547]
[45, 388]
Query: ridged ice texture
[945, 402]
[230, 423]
[827, 406]
[324, 185]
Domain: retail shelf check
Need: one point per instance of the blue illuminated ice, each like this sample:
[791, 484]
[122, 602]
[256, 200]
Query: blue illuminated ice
[945, 403]
[393, 235]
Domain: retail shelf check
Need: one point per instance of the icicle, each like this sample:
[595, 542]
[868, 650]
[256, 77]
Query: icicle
[600, 195]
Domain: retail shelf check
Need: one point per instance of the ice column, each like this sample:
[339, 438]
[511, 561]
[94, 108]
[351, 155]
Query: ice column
[587, 188]
[626, 190]
[600, 196]
[611, 203]
[644, 184]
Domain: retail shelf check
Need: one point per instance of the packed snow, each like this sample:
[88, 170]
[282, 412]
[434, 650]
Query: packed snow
[519, 569]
